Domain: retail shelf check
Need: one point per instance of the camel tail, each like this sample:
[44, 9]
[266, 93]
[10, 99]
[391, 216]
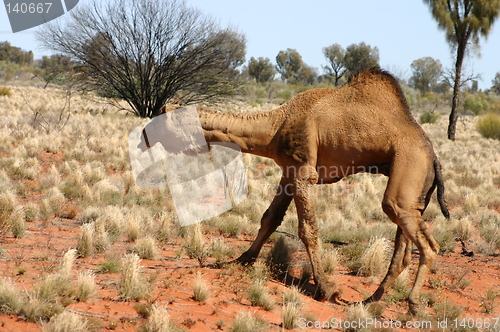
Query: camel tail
[438, 181]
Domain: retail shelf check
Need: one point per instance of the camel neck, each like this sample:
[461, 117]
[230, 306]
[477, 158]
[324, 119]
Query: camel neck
[253, 133]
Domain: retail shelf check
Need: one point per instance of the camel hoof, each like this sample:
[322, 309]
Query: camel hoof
[322, 295]
[414, 308]
[245, 259]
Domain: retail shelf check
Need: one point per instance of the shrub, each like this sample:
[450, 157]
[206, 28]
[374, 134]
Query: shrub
[5, 91]
[429, 117]
[8, 203]
[489, 126]
[37, 309]
[477, 104]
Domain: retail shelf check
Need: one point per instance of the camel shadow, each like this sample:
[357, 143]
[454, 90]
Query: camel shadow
[306, 288]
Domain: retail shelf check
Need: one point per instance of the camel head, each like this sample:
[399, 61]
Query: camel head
[177, 130]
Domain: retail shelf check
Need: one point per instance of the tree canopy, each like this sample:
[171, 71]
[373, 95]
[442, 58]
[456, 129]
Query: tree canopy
[149, 52]
[426, 74]
[261, 69]
[9, 53]
[342, 62]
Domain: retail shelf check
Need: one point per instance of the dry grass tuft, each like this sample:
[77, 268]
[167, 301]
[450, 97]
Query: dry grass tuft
[195, 244]
[85, 286]
[159, 321]
[259, 295]
[11, 299]
[293, 295]
[330, 260]
[146, 248]
[375, 259]
[290, 315]
[85, 244]
[17, 220]
[280, 256]
[133, 285]
[66, 322]
[246, 322]
[200, 289]
[356, 313]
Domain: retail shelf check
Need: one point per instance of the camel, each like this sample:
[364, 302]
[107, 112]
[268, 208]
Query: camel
[322, 135]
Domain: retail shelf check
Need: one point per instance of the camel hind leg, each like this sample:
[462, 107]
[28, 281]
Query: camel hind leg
[405, 200]
[400, 260]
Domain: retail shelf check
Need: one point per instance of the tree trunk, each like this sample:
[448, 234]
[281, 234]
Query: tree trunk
[452, 126]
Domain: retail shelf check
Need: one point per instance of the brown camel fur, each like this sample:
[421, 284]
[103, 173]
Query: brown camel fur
[322, 135]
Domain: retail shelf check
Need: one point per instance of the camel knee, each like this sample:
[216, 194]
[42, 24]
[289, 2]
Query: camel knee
[407, 256]
[390, 209]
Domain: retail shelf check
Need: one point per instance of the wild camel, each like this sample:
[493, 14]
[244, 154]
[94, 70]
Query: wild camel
[322, 135]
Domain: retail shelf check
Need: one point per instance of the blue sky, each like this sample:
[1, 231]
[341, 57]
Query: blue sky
[402, 30]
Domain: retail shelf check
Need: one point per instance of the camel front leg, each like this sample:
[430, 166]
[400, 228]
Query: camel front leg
[308, 230]
[400, 260]
[270, 221]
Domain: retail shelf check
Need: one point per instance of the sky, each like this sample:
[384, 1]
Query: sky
[403, 31]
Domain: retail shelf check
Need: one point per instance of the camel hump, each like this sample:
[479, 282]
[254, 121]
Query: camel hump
[372, 73]
[366, 78]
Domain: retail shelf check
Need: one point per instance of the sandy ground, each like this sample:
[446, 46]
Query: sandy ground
[458, 279]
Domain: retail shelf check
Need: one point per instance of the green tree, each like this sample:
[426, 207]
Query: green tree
[308, 75]
[288, 65]
[426, 74]
[261, 69]
[335, 55]
[9, 53]
[360, 56]
[55, 69]
[495, 88]
[293, 70]
[464, 22]
[149, 52]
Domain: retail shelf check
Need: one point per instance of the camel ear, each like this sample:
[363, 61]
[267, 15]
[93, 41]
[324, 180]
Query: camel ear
[163, 110]
[167, 108]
